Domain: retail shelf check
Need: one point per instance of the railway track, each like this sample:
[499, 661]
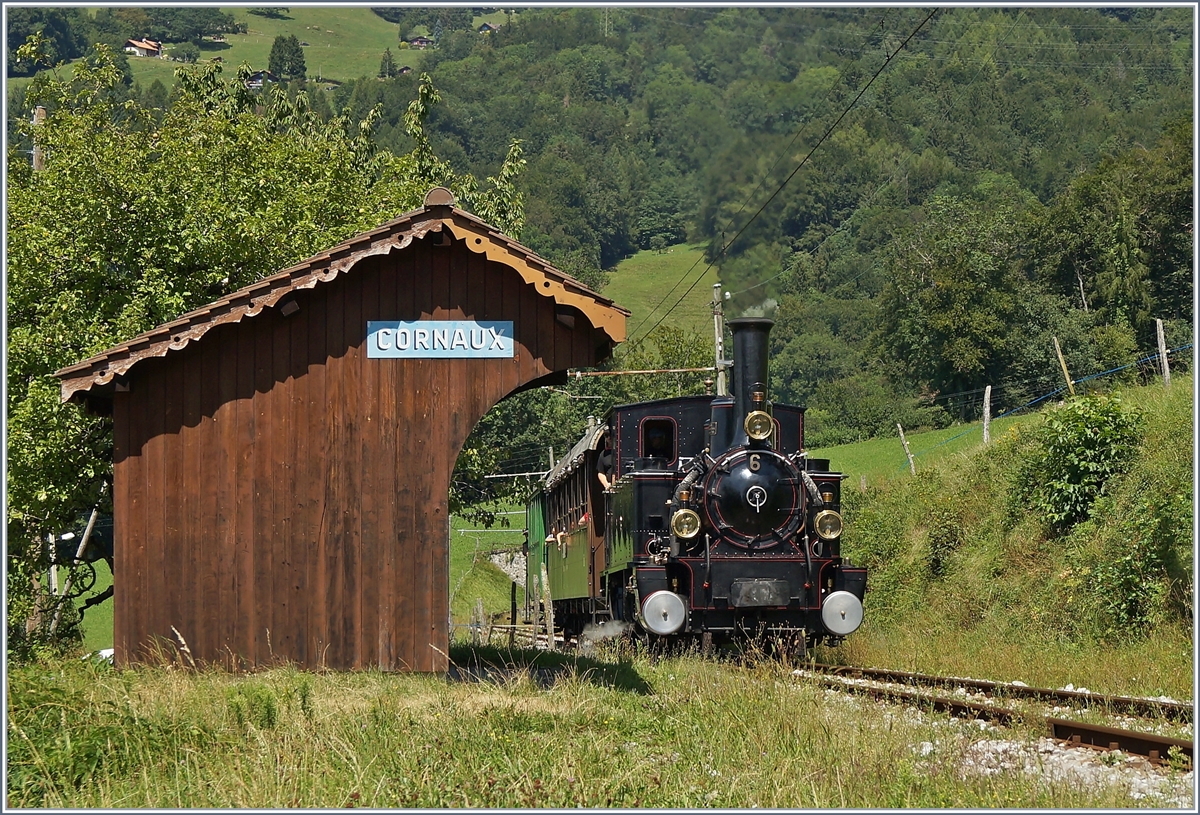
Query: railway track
[1153, 747]
[1137, 706]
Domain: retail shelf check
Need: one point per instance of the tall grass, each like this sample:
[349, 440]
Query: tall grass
[965, 576]
[542, 731]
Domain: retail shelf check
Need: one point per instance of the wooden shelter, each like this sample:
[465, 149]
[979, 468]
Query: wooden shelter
[280, 489]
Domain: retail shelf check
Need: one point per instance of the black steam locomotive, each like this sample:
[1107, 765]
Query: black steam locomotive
[700, 517]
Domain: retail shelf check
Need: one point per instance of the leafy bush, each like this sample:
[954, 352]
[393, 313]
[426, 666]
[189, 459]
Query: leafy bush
[1081, 446]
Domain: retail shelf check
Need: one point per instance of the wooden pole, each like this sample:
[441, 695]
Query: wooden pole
[1162, 355]
[87, 534]
[548, 603]
[987, 414]
[1063, 363]
[39, 158]
[911, 464]
[512, 617]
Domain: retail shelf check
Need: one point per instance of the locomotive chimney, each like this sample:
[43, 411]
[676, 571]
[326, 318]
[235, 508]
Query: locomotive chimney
[750, 369]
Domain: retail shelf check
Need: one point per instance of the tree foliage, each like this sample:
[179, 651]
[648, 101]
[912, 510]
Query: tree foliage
[287, 57]
[134, 221]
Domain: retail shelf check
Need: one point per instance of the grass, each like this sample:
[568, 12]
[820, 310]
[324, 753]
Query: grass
[642, 283]
[967, 578]
[543, 730]
[883, 458]
[474, 577]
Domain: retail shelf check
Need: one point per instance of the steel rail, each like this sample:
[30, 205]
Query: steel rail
[1151, 746]
[1173, 711]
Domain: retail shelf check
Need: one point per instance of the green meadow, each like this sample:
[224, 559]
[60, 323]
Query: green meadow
[643, 283]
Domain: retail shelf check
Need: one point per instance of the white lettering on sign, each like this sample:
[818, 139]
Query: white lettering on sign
[440, 339]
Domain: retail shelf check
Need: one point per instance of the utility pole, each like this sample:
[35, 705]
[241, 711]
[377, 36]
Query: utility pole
[719, 340]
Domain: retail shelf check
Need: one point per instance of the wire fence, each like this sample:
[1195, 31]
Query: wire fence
[1148, 359]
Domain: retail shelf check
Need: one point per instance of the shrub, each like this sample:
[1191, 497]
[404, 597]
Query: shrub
[1080, 447]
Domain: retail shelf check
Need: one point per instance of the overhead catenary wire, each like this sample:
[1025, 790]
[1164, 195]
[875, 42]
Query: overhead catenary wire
[802, 163]
[779, 157]
[901, 165]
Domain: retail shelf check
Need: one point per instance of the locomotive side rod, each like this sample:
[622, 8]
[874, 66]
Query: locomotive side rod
[1174, 711]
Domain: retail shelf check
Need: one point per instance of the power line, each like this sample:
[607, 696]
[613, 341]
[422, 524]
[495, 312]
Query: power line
[803, 161]
[895, 173]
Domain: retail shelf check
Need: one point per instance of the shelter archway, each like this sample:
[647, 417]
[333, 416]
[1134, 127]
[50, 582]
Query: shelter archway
[280, 488]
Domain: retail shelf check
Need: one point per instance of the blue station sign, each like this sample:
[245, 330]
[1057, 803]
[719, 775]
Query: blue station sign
[440, 339]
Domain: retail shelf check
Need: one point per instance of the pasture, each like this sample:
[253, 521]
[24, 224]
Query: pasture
[643, 284]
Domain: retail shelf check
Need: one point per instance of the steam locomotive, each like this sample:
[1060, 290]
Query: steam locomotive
[697, 517]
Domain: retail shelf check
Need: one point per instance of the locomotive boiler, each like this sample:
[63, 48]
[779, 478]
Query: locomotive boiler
[698, 516]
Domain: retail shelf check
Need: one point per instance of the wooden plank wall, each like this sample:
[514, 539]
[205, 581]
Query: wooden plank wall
[278, 496]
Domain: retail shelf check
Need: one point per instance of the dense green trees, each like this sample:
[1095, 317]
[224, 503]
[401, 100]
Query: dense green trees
[287, 57]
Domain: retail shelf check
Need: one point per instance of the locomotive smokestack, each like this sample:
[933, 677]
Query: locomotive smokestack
[750, 369]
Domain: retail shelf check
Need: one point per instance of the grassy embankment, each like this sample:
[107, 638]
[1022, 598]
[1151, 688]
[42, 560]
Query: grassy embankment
[966, 576]
[623, 731]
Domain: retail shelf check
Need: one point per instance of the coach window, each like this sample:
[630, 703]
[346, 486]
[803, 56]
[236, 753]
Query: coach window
[658, 439]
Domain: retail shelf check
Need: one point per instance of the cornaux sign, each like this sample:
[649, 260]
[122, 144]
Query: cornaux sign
[439, 339]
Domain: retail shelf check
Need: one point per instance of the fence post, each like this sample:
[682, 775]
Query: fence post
[1063, 363]
[512, 618]
[50, 547]
[911, 465]
[39, 155]
[1162, 355]
[987, 414]
[548, 603]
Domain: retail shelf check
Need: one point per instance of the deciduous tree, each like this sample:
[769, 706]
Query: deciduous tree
[133, 222]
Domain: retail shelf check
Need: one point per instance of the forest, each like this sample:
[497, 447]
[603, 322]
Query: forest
[922, 201]
[1006, 177]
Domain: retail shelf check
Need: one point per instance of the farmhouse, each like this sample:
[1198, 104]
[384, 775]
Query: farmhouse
[144, 48]
[420, 42]
[257, 79]
[282, 456]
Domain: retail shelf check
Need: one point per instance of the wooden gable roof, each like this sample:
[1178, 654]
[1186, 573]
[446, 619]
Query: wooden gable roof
[97, 376]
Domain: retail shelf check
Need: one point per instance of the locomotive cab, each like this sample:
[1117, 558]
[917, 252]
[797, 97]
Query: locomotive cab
[717, 522]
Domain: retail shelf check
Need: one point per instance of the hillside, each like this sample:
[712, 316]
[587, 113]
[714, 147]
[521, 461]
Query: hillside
[971, 550]
[643, 283]
[343, 43]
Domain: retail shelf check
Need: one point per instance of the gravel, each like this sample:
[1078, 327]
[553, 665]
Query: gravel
[973, 747]
[1050, 762]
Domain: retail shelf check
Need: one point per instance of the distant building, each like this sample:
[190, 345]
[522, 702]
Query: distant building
[144, 48]
[488, 28]
[420, 42]
[405, 69]
[260, 78]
